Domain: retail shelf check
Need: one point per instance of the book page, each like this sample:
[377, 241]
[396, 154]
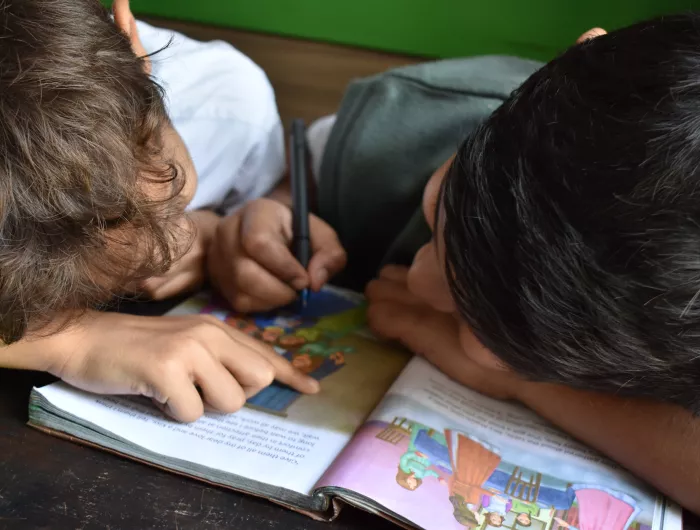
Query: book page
[281, 438]
[445, 457]
[250, 443]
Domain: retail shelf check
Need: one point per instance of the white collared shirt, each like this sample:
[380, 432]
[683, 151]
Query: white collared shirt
[223, 106]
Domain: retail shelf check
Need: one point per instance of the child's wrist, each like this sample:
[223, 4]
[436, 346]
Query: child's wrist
[26, 355]
[205, 222]
[66, 345]
[43, 350]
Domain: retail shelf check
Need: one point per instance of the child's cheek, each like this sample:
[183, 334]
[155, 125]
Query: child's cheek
[477, 352]
[426, 280]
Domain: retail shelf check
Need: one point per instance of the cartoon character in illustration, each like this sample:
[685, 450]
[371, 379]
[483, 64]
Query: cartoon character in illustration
[524, 519]
[243, 324]
[291, 342]
[271, 334]
[464, 515]
[317, 360]
[496, 507]
[493, 509]
[427, 452]
[307, 340]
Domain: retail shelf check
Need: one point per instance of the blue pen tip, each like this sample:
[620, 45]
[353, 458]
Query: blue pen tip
[304, 298]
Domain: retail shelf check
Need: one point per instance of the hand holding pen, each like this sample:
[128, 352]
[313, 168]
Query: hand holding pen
[252, 260]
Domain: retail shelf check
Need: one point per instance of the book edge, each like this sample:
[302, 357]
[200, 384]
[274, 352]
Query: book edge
[335, 504]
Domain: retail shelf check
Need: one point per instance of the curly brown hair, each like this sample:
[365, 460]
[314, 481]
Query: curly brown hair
[81, 143]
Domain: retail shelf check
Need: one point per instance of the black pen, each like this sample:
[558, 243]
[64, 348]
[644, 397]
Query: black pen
[301, 241]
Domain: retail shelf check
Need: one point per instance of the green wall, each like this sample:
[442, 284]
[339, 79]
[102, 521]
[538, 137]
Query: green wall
[436, 28]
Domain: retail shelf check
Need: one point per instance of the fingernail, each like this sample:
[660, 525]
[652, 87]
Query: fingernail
[314, 386]
[322, 276]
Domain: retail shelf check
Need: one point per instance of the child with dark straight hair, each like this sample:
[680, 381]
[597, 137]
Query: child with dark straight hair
[554, 253]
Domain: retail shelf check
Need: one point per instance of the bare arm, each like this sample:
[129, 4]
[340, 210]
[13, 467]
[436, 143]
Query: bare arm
[658, 442]
[39, 354]
[181, 362]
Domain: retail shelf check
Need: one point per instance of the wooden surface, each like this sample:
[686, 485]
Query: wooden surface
[309, 78]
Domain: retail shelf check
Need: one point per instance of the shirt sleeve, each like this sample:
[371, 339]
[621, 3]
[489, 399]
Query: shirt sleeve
[431, 473]
[261, 170]
[405, 461]
[223, 106]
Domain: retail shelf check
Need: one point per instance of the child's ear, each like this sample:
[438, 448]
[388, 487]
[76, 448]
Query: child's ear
[591, 34]
[125, 21]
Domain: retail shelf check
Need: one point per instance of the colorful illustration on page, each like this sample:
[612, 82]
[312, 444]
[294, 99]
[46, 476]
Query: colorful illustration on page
[486, 493]
[308, 339]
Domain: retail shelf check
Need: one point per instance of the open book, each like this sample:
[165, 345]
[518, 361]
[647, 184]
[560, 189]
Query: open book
[387, 433]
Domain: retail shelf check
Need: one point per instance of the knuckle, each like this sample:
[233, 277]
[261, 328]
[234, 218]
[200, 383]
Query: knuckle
[172, 363]
[160, 294]
[234, 403]
[148, 388]
[241, 303]
[187, 342]
[148, 288]
[264, 377]
[244, 271]
[256, 242]
[337, 256]
[207, 320]
[376, 316]
[341, 255]
[372, 289]
[201, 334]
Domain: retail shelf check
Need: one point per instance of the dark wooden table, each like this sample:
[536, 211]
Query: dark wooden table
[47, 483]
